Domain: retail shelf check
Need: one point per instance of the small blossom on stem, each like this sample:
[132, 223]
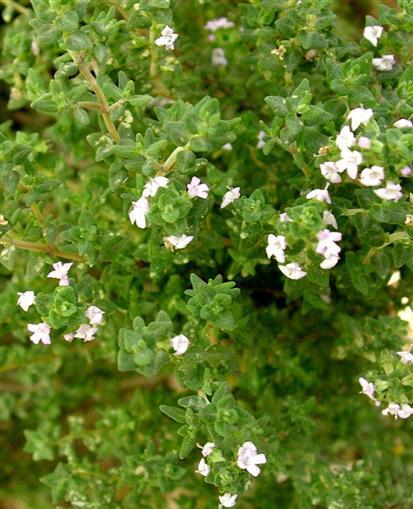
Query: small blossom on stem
[68, 337]
[248, 459]
[94, 314]
[86, 332]
[230, 196]
[329, 219]
[403, 123]
[140, 209]
[285, 218]
[174, 242]
[227, 147]
[60, 272]
[41, 333]
[276, 247]
[385, 63]
[152, 186]
[372, 176]
[261, 138]
[227, 500]
[292, 270]
[345, 139]
[203, 468]
[364, 142]
[359, 116]
[373, 34]
[330, 172]
[405, 357]
[167, 38]
[319, 195]
[218, 57]
[368, 388]
[351, 159]
[328, 248]
[392, 192]
[404, 411]
[197, 189]
[207, 449]
[26, 299]
[216, 24]
[180, 344]
[406, 171]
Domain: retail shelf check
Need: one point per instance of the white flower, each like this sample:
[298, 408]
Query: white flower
[392, 191]
[276, 247]
[94, 314]
[137, 215]
[195, 188]
[364, 142]
[330, 172]
[367, 388]
[228, 500]
[173, 242]
[41, 333]
[167, 38]
[392, 409]
[372, 176]
[261, 137]
[394, 278]
[86, 332]
[329, 262]
[319, 194]
[248, 459]
[60, 272]
[215, 24]
[26, 299]
[230, 196]
[207, 449]
[285, 218]
[345, 139]
[351, 159]
[385, 63]
[329, 219]
[203, 468]
[227, 147]
[403, 123]
[292, 270]
[328, 248]
[373, 34]
[180, 344]
[405, 411]
[152, 186]
[218, 57]
[68, 337]
[327, 242]
[359, 116]
[405, 357]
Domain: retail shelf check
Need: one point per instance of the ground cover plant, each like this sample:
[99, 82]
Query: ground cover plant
[206, 231]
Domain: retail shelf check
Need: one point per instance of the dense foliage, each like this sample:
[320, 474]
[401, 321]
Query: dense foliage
[206, 254]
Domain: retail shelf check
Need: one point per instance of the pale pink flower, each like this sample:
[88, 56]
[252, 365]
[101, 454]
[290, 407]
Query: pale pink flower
[203, 468]
[180, 344]
[359, 116]
[60, 272]
[330, 172]
[373, 34]
[276, 246]
[319, 195]
[174, 242]
[292, 270]
[167, 38]
[372, 176]
[94, 314]
[405, 357]
[391, 192]
[248, 459]
[41, 333]
[26, 299]
[385, 63]
[86, 332]
[231, 195]
[197, 189]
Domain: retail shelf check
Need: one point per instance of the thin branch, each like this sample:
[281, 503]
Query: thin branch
[104, 107]
[41, 248]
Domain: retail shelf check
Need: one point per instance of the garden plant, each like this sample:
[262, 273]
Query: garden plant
[206, 249]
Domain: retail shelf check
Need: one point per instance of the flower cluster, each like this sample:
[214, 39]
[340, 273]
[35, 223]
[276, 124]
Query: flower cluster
[247, 459]
[41, 331]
